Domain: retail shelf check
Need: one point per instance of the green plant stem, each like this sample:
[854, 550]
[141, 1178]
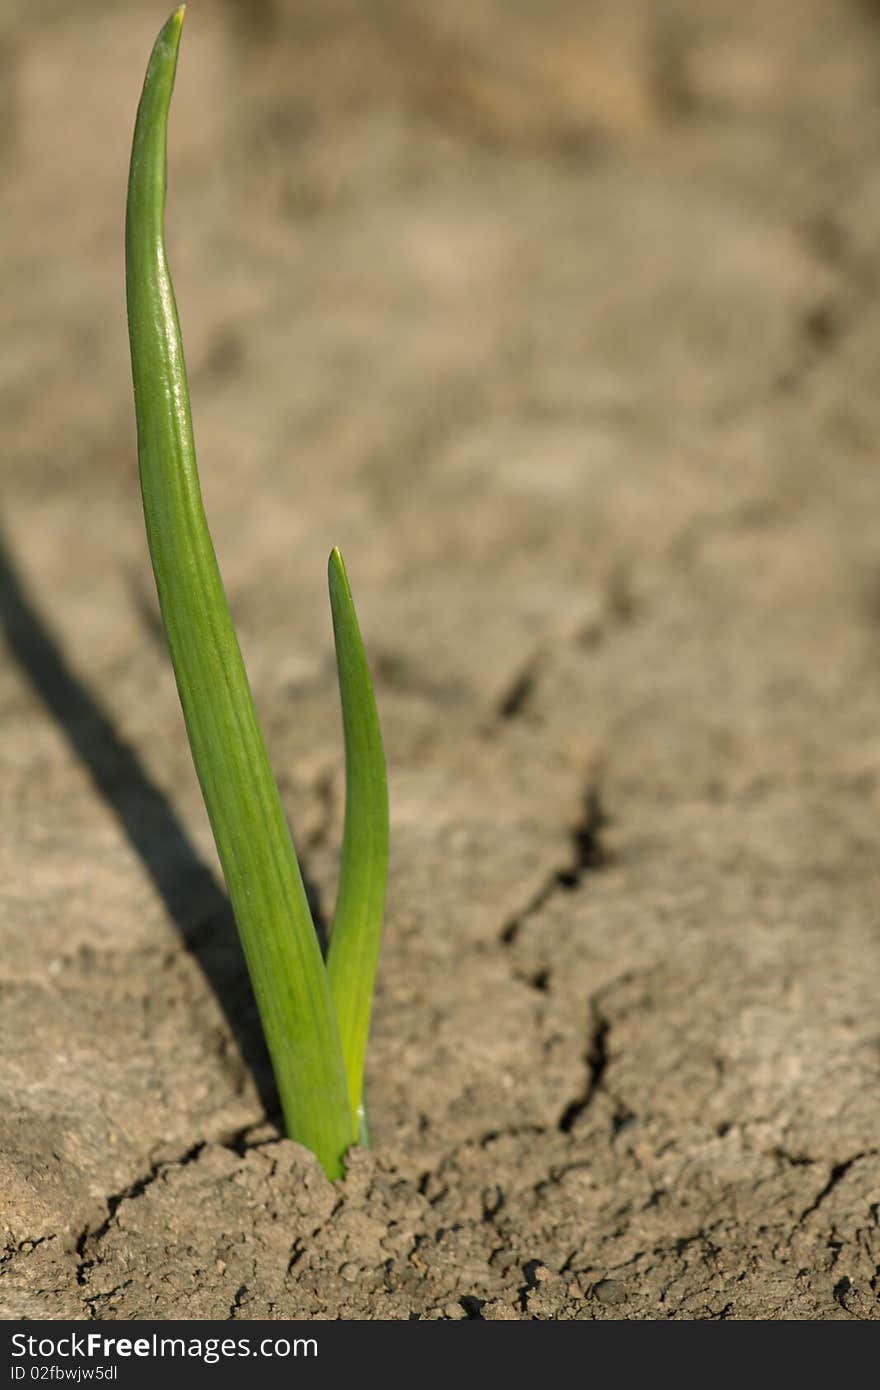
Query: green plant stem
[253, 841]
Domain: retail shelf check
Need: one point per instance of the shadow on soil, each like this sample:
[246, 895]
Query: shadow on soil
[192, 897]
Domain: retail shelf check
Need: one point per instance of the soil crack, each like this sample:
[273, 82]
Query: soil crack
[238, 1143]
[515, 701]
[588, 855]
[236, 1302]
[114, 1202]
[838, 1173]
[597, 1062]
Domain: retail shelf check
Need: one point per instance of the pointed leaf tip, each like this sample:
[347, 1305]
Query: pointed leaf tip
[174, 24]
[336, 571]
[171, 30]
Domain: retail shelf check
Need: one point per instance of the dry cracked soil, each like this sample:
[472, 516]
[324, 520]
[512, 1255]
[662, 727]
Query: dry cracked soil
[562, 322]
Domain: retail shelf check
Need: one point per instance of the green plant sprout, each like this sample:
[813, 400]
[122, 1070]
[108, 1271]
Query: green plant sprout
[315, 1016]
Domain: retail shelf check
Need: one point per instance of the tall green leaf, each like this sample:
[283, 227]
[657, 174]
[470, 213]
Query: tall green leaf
[259, 864]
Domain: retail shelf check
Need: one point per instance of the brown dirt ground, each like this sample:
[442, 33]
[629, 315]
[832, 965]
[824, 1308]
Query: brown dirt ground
[562, 321]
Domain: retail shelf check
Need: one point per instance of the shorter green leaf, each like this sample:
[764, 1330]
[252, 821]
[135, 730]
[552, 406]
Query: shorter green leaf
[360, 906]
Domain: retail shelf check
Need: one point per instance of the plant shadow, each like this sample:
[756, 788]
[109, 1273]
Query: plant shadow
[196, 904]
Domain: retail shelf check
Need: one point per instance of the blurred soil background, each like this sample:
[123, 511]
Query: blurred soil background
[562, 321]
